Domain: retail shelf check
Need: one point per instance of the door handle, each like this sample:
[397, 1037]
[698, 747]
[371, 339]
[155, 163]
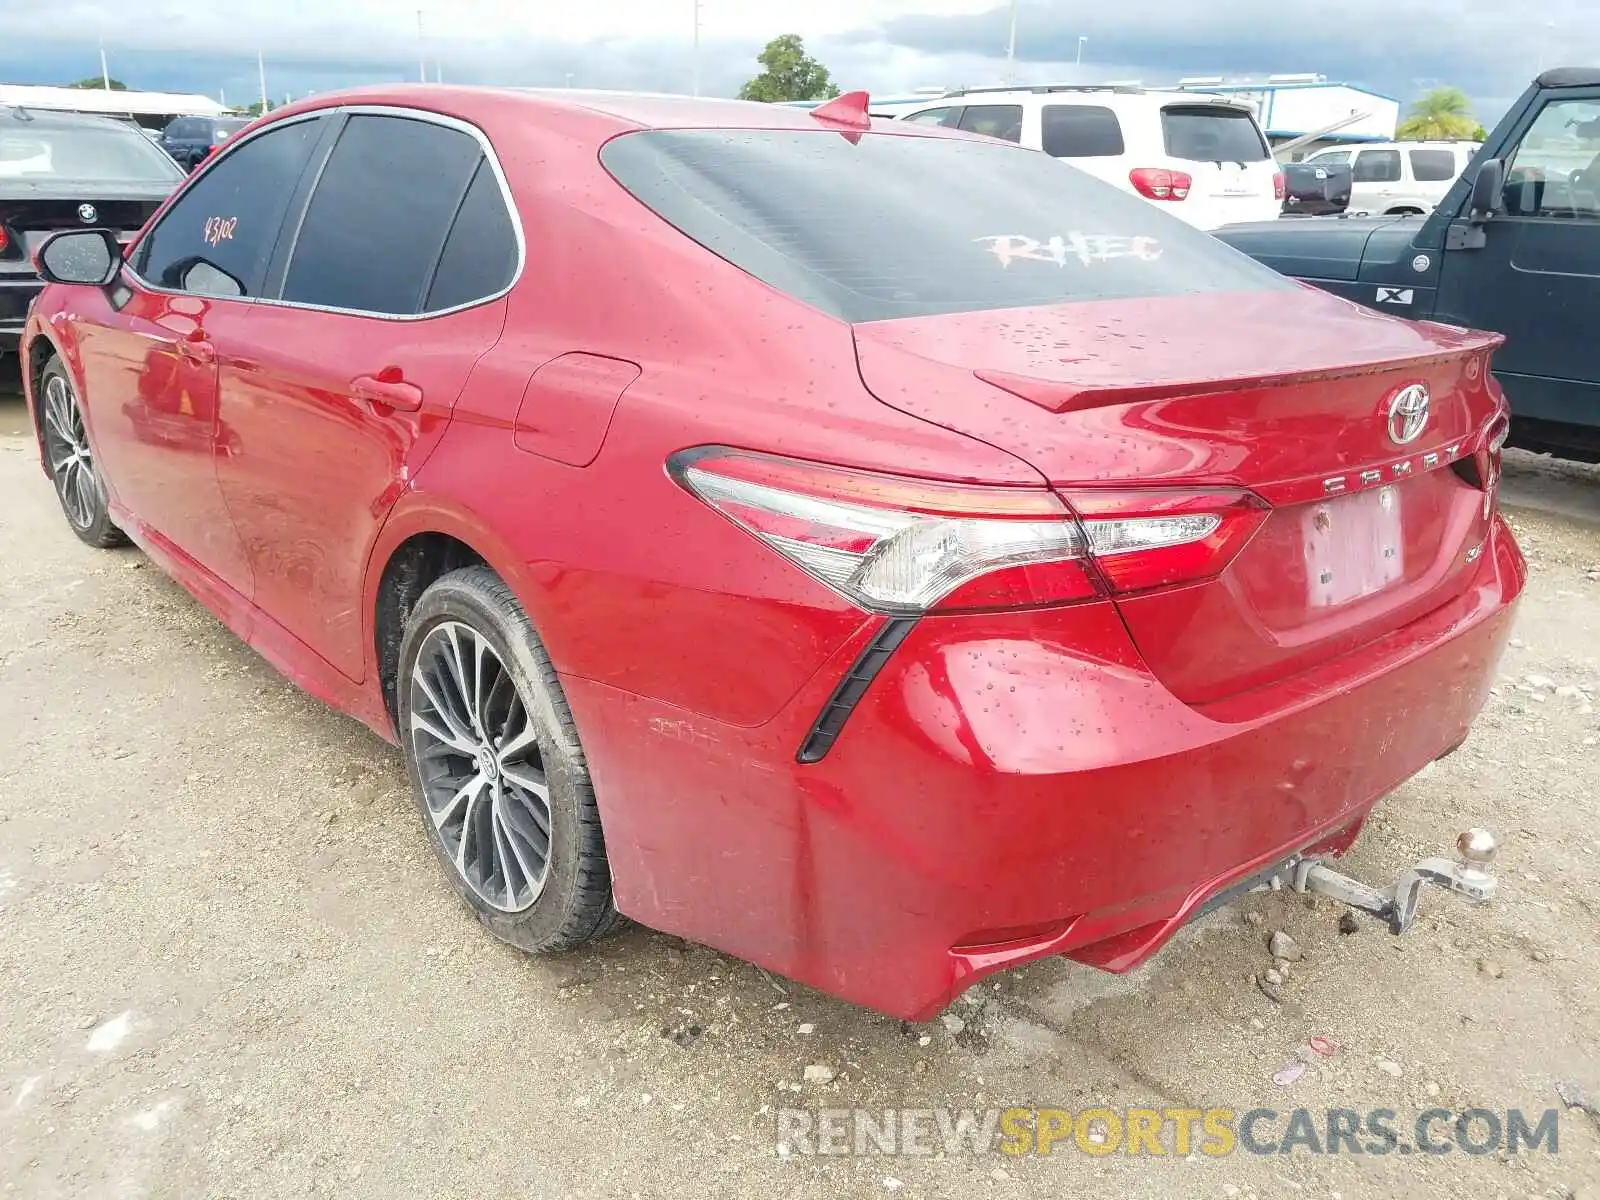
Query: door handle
[197, 348]
[388, 390]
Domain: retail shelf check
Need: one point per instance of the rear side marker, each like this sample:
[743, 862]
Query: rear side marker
[830, 721]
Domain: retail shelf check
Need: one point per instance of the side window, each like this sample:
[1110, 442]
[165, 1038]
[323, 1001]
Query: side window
[1377, 166]
[1555, 170]
[1433, 166]
[933, 116]
[218, 237]
[375, 227]
[1081, 131]
[995, 120]
[480, 255]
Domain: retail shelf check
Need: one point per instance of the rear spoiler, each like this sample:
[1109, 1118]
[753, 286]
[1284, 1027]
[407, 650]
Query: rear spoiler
[1061, 396]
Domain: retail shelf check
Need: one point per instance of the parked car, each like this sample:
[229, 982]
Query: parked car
[64, 171]
[885, 592]
[1398, 177]
[191, 140]
[1315, 190]
[1514, 247]
[1203, 158]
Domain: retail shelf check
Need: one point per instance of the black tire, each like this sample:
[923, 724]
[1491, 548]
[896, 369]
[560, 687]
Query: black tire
[572, 904]
[79, 488]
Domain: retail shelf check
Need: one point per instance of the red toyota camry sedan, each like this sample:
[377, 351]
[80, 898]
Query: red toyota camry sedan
[881, 553]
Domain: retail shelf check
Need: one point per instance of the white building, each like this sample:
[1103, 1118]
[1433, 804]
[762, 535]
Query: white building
[148, 108]
[1291, 107]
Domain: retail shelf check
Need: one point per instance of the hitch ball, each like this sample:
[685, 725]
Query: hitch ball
[1477, 846]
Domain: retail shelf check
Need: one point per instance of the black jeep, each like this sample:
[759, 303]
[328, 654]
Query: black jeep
[1514, 247]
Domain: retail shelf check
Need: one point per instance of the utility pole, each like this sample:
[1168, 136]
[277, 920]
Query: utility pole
[1011, 47]
[422, 50]
[1081, 41]
[694, 87]
[105, 72]
[261, 70]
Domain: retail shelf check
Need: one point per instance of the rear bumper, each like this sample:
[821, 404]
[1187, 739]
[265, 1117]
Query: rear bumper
[1014, 786]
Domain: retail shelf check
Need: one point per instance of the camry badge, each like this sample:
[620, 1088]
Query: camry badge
[87, 213]
[1408, 414]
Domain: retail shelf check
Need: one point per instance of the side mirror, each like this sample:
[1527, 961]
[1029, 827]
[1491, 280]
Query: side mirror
[1488, 190]
[81, 256]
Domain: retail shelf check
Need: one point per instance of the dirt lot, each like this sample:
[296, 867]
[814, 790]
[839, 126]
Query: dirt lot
[230, 966]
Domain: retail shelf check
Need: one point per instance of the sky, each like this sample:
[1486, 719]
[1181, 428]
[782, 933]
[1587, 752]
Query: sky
[885, 46]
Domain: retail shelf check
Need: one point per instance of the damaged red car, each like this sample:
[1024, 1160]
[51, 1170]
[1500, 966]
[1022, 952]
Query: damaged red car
[884, 554]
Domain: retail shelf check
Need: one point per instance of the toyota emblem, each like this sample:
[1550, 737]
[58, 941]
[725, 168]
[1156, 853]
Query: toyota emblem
[87, 213]
[1408, 414]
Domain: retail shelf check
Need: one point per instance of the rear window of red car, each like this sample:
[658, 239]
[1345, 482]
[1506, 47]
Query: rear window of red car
[880, 226]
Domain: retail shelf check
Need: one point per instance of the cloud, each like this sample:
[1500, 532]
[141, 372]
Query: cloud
[1485, 46]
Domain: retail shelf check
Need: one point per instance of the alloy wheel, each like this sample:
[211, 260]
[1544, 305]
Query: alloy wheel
[482, 775]
[67, 448]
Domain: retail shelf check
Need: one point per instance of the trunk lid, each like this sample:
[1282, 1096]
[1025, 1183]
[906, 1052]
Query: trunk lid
[1286, 394]
[32, 212]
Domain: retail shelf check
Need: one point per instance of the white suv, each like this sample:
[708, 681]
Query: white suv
[1201, 157]
[1398, 177]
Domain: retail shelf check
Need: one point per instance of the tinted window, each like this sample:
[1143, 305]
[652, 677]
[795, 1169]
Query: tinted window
[1555, 171]
[882, 226]
[377, 221]
[219, 236]
[187, 128]
[480, 255]
[1081, 131]
[1337, 158]
[1377, 166]
[1211, 133]
[934, 116]
[994, 120]
[1433, 166]
[36, 150]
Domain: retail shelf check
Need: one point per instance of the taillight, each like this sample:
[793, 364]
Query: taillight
[5, 239]
[1280, 186]
[1482, 467]
[1156, 538]
[1158, 183]
[905, 546]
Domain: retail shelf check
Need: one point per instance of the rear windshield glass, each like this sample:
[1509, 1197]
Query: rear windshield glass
[89, 154]
[1212, 134]
[878, 226]
[1081, 131]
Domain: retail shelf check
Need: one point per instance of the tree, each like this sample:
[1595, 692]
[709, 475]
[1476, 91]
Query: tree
[791, 74]
[1444, 112]
[97, 83]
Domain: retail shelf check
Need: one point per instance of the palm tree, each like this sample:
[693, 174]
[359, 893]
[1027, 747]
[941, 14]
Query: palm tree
[1444, 112]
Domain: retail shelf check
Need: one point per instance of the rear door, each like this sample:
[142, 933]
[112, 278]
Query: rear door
[1222, 149]
[384, 294]
[1375, 180]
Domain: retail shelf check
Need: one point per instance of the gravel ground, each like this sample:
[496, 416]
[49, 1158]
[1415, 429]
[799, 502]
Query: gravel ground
[231, 967]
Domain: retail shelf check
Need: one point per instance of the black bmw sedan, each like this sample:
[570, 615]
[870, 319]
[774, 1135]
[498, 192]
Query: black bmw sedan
[66, 171]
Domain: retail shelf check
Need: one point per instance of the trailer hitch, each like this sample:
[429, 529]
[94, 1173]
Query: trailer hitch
[1468, 876]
